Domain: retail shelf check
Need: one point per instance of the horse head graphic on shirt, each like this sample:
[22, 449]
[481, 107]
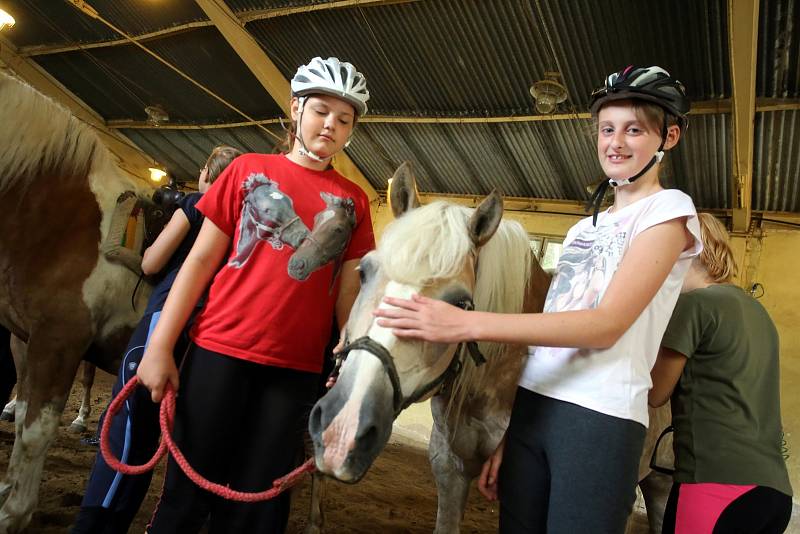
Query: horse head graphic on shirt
[267, 215]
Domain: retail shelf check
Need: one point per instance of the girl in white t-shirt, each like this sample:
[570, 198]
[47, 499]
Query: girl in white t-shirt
[568, 462]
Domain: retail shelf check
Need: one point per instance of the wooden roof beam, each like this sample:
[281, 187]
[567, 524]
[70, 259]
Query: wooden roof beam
[743, 44]
[248, 16]
[128, 156]
[270, 77]
[705, 107]
[43, 50]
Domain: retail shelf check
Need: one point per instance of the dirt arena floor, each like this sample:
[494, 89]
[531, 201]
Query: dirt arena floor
[398, 494]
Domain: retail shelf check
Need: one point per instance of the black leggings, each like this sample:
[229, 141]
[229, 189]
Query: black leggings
[239, 424]
[761, 510]
[567, 469]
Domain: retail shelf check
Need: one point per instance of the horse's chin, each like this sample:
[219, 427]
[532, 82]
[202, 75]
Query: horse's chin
[350, 472]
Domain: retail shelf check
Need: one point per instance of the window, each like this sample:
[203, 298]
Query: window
[547, 250]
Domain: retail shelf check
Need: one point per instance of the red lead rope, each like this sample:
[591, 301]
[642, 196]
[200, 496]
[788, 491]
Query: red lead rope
[167, 418]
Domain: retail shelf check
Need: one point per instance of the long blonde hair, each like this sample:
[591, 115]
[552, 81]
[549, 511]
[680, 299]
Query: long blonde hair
[717, 257]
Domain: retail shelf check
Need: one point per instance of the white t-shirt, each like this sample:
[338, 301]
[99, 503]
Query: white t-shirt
[612, 381]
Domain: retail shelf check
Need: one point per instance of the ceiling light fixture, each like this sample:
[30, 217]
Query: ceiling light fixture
[6, 20]
[156, 174]
[548, 93]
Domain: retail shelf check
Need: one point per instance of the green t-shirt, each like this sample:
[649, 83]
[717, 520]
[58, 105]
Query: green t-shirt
[726, 405]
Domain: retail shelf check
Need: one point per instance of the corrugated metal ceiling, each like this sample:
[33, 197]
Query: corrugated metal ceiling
[441, 58]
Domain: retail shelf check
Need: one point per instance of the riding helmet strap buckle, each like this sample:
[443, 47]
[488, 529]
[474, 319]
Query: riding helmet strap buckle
[653, 465]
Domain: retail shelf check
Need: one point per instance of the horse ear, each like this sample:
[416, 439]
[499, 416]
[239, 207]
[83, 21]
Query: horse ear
[486, 218]
[403, 194]
[328, 198]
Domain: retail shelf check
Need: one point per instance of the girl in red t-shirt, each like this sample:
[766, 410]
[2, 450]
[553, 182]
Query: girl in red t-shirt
[249, 378]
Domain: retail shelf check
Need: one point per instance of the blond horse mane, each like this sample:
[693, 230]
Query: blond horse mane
[432, 242]
[39, 136]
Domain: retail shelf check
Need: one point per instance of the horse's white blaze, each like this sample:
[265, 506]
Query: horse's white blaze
[339, 436]
[383, 335]
[325, 216]
[25, 466]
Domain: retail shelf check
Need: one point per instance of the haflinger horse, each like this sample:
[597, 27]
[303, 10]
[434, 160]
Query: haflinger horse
[469, 258]
[463, 256]
[59, 295]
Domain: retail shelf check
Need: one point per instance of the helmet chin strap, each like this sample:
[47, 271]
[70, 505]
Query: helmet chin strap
[299, 136]
[600, 192]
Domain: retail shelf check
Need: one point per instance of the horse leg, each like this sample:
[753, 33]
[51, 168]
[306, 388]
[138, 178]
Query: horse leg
[316, 517]
[452, 484]
[655, 489]
[87, 379]
[50, 366]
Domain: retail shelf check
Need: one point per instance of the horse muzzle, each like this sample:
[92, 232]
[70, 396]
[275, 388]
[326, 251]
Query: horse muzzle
[349, 432]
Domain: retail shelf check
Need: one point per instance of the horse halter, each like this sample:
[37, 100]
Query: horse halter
[277, 231]
[399, 403]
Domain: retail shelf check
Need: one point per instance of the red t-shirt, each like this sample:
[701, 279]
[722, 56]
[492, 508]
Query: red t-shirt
[255, 311]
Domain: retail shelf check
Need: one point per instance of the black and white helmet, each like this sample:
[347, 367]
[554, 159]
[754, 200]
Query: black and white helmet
[652, 84]
[332, 77]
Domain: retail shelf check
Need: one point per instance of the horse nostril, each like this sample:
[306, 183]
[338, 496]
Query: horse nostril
[368, 440]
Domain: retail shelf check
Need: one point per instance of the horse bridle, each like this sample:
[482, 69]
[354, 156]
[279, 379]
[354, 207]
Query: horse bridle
[371, 346]
[277, 231]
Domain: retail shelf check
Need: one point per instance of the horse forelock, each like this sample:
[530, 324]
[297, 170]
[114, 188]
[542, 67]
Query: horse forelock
[427, 244]
[432, 243]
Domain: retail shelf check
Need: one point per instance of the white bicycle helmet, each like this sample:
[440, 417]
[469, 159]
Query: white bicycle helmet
[335, 78]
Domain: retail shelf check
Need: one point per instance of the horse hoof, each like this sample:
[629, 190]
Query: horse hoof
[77, 428]
[7, 416]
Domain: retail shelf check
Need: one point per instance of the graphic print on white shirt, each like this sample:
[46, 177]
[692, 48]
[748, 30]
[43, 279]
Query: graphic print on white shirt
[614, 380]
[585, 268]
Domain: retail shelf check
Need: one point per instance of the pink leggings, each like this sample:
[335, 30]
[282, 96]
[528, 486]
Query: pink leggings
[709, 508]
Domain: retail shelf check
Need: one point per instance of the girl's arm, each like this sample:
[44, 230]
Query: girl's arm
[665, 375]
[158, 364]
[641, 273]
[158, 254]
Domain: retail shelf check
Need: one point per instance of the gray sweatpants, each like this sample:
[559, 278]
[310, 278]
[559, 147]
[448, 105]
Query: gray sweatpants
[567, 469]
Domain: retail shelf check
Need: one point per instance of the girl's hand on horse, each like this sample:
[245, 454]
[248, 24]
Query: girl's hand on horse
[487, 481]
[156, 369]
[424, 318]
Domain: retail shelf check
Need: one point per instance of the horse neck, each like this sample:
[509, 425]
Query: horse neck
[536, 292]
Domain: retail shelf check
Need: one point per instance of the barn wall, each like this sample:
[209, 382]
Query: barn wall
[771, 259]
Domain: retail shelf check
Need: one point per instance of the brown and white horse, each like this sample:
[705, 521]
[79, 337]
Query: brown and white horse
[458, 255]
[59, 296]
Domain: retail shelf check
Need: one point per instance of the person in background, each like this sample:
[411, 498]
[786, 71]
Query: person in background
[719, 364]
